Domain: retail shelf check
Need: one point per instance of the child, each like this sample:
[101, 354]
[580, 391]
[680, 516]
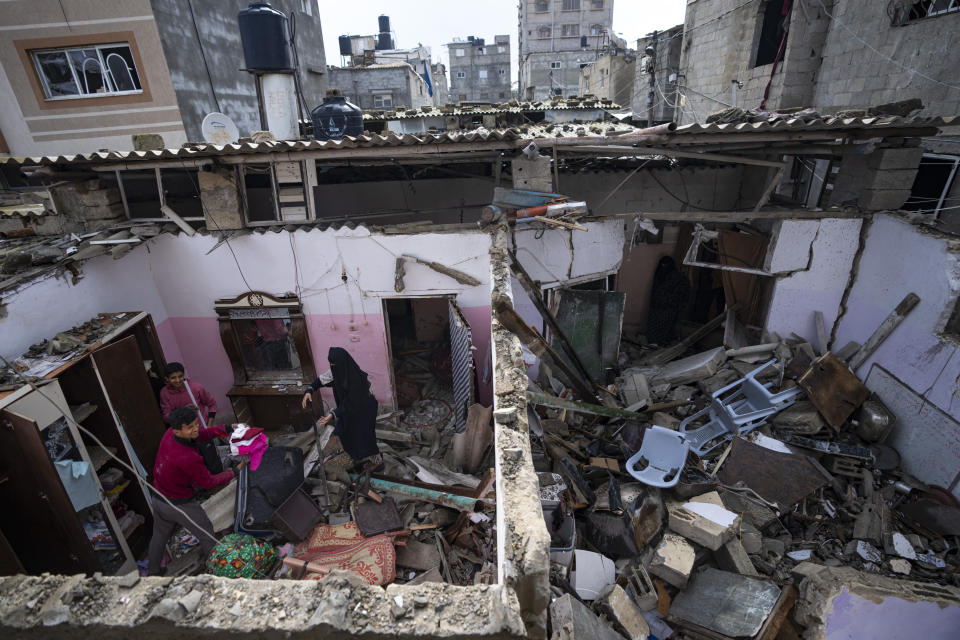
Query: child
[179, 392]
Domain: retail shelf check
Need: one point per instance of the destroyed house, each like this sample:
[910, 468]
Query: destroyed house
[549, 461]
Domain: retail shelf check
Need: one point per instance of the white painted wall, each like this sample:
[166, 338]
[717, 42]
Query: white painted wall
[568, 256]
[900, 258]
[46, 307]
[821, 276]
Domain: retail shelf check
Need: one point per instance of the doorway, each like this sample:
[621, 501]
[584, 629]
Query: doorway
[431, 365]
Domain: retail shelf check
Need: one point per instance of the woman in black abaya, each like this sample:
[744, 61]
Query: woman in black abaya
[356, 410]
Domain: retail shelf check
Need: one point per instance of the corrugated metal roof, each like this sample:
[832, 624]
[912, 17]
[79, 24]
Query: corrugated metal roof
[573, 104]
[820, 124]
[508, 138]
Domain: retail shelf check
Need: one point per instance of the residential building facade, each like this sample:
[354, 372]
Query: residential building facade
[557, 37]
[382, 86]
[77, 77]
[611, 76]
[480, 71]
[657, 70]
[832, 56]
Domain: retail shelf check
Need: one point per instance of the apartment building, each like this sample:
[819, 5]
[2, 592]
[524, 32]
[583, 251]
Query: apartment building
[480, 71]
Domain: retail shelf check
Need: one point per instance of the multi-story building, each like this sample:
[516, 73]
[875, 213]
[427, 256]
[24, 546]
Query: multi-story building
[655, 96]
[856, 56]
[611, 76]
[382, 86]
[479, 72]
[77, 77]
[557, 37]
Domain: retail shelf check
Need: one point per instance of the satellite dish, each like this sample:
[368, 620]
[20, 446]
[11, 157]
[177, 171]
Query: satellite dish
[219, 129]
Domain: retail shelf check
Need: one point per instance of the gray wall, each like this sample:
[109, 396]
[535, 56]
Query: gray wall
[235, 89]
[406, 87]
[496, 86]
[663, 94]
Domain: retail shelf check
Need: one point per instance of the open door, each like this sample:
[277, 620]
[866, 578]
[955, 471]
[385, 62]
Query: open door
[461, 360]
[592, 321]
[36, 515]
[125, 383]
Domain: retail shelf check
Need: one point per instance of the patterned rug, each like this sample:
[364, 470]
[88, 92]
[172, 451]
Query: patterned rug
[343, 547]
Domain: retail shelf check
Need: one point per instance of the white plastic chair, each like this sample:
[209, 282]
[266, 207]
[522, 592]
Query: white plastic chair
[660, 458]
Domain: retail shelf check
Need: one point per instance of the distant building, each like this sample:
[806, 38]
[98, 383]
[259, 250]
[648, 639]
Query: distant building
[658, 54]
[557, 38]
[78, 78]
[364, 81]
[611, 76]
[480, 71]
[382, 86]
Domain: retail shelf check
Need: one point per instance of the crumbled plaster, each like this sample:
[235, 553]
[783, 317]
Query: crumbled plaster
[837, 599]
[339, 606]
[523, 540]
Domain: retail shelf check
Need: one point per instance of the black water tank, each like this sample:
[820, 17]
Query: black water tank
[336, 118]
[384, 42]
[345, 49]
[265, 38]
[384, 23]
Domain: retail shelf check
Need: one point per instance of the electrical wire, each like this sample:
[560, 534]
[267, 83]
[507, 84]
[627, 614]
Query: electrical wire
[880, 53]
[203, 55]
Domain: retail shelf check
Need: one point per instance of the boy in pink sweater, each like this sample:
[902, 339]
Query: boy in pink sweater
[180, 392]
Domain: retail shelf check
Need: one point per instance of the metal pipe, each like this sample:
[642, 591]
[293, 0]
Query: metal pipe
[443, 498]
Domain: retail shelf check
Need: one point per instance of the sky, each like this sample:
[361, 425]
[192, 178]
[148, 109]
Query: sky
[435, 22]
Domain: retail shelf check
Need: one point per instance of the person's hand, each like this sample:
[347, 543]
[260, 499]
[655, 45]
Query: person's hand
[242, 463]
[192, 407]
[325, 419]
[307, 398]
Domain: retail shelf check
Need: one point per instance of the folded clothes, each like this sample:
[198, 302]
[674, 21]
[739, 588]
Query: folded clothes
[249, 441]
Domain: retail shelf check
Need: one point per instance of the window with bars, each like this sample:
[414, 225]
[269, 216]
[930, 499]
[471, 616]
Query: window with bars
[541, 6]
[570, 30]
[555, 64]
[383, 101]
[78, 72]
[571, 5]
[543, 32]
[904, 11]
[596, 4]
[461, 75]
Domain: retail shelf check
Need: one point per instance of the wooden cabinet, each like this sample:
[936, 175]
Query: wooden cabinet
[66, 505]
[265, 338]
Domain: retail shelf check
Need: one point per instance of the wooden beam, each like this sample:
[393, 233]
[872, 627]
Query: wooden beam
[533, 292]
[886, 327]
[531, 339]
[771, 186]
[674, 153]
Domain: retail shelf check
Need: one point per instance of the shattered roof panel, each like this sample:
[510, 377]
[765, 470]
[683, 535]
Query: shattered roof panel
[489, 109]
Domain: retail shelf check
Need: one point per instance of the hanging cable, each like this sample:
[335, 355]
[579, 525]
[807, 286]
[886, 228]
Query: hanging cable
[203, 55]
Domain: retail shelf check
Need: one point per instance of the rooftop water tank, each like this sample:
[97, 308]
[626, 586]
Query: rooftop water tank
[384, 23]
[336, 118]
[265, 38]
[345, 48]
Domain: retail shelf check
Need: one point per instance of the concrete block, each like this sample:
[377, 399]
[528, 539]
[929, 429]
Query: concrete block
[147, 141]
[704, 523]
[642, 590]
[801, 418]
[625, 616]
[692, 368]
[633, 388]
[718, 381]
[900, 158]
[534, 175]
[673, 560]
[733, 557]
[880, 200]
[573, 621]
[751, 538]
[220, 198]
[891, 179]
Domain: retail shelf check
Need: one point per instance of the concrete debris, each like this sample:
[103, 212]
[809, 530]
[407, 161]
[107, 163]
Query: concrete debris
[706, 524]
[574, 621]
[614, 603]
[673, 560]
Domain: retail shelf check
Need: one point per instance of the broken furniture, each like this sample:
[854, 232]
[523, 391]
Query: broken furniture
[266, 339]
[660, 458]
[52, 521]
[833, 389]
[747, 406]
[264, 496]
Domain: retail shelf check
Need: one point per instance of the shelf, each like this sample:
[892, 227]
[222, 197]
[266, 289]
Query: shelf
[100, 456]
[83, 411]
[116, 491]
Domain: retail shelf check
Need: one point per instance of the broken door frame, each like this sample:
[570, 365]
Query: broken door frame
[449, 297]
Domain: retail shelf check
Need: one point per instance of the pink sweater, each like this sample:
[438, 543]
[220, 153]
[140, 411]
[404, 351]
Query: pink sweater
[171, 399]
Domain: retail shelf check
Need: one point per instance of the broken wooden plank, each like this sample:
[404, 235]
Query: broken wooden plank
[393, 436]
[561, 223]
[667, 354]
[531, 339]
[456, 274]
[833, 389]
[821, 333]
[783, 478]
[582, 407]
[533, 292]
[886, 327]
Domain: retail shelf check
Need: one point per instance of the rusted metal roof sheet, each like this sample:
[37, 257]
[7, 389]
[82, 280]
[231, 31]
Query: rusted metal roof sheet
[785, 124]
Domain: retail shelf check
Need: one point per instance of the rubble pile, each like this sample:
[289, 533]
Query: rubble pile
[690, 496]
